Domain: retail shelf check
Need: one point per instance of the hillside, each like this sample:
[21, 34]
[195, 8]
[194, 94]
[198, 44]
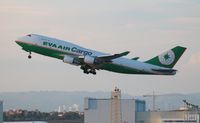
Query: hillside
[50, 100]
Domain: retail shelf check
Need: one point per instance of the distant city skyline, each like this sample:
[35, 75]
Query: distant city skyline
[40, 100]
[145, 28]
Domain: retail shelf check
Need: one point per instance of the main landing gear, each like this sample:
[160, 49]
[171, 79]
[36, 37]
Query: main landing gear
[29, 56]
[87, 70]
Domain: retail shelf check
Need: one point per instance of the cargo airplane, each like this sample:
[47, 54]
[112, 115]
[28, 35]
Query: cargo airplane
[91, 60]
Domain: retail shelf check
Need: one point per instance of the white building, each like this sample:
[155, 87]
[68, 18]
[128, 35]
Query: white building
[113, 110]
[117, 110]
[1, 111]
[99, 110]
[133, 111]
[179, 116]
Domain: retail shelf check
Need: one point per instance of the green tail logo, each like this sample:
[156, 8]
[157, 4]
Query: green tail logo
[169, 58]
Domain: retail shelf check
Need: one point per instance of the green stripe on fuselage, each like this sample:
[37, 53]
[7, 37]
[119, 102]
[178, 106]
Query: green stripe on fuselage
[121, 69]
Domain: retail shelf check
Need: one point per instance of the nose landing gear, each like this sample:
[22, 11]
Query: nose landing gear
[29, 56]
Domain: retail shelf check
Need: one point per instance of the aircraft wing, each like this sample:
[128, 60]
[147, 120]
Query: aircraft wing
[110, 57]
[91, 63]
[95, 62]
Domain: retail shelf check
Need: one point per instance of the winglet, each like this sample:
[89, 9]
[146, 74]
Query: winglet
[135, 58]
[120, 54]
[125, 53]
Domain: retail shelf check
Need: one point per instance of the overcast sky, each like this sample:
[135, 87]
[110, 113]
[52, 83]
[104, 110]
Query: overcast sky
[145, 28]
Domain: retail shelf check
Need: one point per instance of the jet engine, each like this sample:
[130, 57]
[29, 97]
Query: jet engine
[71, 60]
[91, 60]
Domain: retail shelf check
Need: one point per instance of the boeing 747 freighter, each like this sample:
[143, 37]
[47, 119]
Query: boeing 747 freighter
[91, 60]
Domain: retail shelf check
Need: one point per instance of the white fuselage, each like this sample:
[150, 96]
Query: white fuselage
[73, 50]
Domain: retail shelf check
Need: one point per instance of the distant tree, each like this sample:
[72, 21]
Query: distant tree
[42, 116]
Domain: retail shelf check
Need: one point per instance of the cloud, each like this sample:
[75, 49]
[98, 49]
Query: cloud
[101, 25]
[185, 20]
[17, 9]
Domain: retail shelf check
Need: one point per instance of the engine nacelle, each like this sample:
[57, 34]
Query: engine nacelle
[91, 60]
[71, 60]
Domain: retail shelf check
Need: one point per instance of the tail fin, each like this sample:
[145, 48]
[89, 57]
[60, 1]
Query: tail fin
[169, 58]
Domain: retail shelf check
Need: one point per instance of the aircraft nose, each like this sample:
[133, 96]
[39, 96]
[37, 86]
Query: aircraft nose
[24, 39]
[16, 41]
[20, 40]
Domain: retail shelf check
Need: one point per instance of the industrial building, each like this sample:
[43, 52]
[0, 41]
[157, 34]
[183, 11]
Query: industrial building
[117, 110]
[111, 110]
[178, 116]
[99, 110]
[1, 111]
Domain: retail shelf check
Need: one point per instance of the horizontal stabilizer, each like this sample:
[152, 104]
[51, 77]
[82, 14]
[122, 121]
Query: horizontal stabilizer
[166, 71]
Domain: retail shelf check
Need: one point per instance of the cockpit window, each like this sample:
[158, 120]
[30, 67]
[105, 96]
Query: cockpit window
[29, 35]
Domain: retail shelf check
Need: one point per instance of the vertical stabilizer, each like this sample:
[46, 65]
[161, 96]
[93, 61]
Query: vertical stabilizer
[169, 58]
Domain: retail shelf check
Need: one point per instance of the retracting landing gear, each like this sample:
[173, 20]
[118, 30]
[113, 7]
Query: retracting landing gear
[29, 56]
[86, 70]
[93, 71]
